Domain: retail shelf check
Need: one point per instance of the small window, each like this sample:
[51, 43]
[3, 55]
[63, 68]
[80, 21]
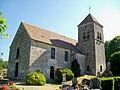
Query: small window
[18, 53]
[52, 53]
[97, 35]
[88, 36]
[85, 27]
[101, 68]
[84, 37]
[66, 55]
[100, 36]
[88, 68]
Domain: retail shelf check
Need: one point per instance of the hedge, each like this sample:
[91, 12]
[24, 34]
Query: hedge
[110, 83]
[68, 72]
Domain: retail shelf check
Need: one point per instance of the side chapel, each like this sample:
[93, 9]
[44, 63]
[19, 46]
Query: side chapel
[35, 48]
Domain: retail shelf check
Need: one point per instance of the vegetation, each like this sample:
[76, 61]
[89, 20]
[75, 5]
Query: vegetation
[115, 61]
[3, 27]
[10, 86]
[75, 68]
[35, 78]
[107, 83]
[3, 64]
[110, 83]
[68, 72]
[112, 51]
[114, 45]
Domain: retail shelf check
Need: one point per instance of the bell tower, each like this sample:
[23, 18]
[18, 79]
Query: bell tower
[91, 43]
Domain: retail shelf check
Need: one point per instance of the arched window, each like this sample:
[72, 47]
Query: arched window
[88, 68]
[18, 53]
[98, 35]
[51, 72]
[16, 69]
[101, 68]
[52, 53]
[88, 35]
[66, 55]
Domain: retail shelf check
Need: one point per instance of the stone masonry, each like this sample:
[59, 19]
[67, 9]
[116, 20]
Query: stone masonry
[31, 50]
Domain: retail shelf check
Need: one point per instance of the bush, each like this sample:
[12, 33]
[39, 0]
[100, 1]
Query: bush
[68, 72]
[35, 78]
[107, 83]
[110, 83]
[115, 60]
[117, 81]
[75, 67]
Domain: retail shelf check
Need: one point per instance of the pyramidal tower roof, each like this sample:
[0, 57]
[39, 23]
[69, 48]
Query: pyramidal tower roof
[88, 19]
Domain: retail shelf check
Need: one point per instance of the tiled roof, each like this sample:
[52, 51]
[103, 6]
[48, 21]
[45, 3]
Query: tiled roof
[89, 18]
[51, 38]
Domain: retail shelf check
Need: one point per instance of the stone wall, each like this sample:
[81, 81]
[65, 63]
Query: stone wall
[99, 50]
[87, 46]
[40, 58]
[22, 41]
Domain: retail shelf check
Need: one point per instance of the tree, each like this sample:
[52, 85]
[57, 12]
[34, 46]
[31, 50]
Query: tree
[75, 68]
[3, 64]
[114, 45]
[115, 61]
[3, 27]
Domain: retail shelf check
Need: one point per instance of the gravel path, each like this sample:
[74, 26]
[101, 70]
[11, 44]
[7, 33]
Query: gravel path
[45, 87]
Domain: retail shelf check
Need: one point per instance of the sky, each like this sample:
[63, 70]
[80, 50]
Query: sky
[60, 16]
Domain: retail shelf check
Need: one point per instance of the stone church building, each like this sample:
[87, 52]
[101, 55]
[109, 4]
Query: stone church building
[35, 48]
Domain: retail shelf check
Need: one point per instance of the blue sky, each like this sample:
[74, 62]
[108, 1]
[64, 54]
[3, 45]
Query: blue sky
[60, 16]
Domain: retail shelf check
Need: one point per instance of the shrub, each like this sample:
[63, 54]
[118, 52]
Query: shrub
[75, 67]
[117, 81]
[68, 72]
[35, 78]
[115, 60]
[107, 83]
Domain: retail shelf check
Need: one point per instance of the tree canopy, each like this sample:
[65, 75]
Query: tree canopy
[3, 27]
[112, 51]
[114, 45]
[3, 64]
[115, 61]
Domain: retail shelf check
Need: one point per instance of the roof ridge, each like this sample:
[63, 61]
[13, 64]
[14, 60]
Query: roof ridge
[48, 31]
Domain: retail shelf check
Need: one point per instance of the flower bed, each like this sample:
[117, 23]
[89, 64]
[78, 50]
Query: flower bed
[10, 86]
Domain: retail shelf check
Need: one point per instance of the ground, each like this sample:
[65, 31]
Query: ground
[31, 87]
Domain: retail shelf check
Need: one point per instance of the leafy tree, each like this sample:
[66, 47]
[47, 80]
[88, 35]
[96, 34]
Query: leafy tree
[3, 64]
[115, 63]
[75, 68]
[114, 45]
[3, 27]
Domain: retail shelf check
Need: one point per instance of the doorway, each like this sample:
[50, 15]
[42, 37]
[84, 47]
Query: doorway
[52, 72]
[16, 69]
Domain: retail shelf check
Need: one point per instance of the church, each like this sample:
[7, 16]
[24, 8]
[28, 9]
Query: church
[34, 48]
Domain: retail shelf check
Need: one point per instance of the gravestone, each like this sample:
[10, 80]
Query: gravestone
[95, 83]
[74, 82]
[63, 77]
